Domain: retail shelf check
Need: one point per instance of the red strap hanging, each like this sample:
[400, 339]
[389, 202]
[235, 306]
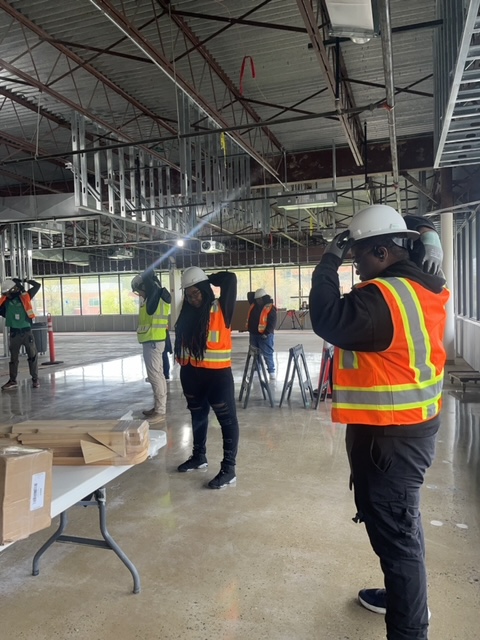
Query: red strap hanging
[242, 70]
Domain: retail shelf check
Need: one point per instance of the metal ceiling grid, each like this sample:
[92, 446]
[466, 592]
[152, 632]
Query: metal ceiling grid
[457, 103]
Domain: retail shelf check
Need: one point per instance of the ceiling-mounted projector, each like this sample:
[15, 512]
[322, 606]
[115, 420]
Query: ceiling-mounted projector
[211, 246]
[119, 253]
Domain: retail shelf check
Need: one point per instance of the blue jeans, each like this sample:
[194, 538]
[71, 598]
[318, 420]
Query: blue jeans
[266, 348]
[205, 388]
[388, 467]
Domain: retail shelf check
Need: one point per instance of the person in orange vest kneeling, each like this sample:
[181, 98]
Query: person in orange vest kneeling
[203, 347]
[16, 308]
[387, 388]
[261, 323]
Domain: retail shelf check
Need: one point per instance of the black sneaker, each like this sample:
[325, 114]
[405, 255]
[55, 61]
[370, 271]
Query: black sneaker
[35, 384]
[223, 479]
[374, 600]
[197, 461]
[10, 385]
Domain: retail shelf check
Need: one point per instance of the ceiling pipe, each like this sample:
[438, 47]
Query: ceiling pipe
[387, 51]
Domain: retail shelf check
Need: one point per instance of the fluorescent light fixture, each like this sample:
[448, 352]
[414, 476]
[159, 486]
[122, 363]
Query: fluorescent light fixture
[50, 228]
[62, 255]
[307, 200]
[351, 19]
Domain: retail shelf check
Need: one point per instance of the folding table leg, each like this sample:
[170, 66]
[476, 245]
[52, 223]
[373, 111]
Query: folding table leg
[108, 542]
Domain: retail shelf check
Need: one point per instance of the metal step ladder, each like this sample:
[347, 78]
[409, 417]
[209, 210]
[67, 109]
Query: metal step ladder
[324, 386]
[254, 364]
[297, 364]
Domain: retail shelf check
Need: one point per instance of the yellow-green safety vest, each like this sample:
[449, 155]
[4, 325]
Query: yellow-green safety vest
[153, 328]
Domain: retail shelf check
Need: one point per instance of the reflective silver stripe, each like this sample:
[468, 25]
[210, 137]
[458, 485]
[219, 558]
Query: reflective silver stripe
[393, 396]
[213, 336]
[419, 348]
[217, 356]
[210, 356]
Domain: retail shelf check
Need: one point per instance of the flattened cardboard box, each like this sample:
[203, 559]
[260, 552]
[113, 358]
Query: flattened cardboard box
[25, 491]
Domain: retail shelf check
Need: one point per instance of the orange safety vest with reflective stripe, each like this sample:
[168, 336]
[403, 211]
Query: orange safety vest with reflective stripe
[403, 384]
[25, 300]
[262, 322]
[218, 354]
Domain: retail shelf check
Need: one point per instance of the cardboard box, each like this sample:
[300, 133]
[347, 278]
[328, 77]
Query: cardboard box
[25, 491]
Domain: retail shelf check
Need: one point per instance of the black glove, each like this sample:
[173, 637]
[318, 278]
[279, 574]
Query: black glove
[19, 284]
[339, 246]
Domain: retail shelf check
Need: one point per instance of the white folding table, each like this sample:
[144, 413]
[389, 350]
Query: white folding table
[85, 485]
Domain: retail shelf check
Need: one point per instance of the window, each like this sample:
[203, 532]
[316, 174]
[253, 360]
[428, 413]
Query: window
[243, 283]
[90, 295]
[71, 296]
[287, 295]
[305, 285]
[53, 296]
[128, 300]
[264, 279]
[109, 295]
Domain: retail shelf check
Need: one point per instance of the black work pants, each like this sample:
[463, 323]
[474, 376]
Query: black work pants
[205, 388]
[19, 338]
[388, 468]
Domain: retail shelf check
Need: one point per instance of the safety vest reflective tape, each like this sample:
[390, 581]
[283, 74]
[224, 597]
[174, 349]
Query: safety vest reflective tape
[403, 384]
[262, 323]
[153, 328]
[218, 354]
[26, 302]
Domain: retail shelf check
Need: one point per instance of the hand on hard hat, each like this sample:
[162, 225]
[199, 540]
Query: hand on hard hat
[339, 246]
[432, 262]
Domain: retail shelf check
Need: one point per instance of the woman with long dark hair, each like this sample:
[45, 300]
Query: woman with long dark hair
[203, 345]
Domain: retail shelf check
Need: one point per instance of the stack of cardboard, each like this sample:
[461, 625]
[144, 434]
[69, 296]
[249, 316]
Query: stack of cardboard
[96, 442]
[25, 491]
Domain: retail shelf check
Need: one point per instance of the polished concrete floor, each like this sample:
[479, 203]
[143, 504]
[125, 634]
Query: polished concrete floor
[276, 557]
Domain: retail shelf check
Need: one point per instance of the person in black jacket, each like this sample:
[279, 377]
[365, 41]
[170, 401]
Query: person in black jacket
[16, 308]
[261, 323]
[388, 463]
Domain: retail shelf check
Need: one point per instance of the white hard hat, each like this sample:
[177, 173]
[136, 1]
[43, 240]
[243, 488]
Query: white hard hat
[7, 285]
[137, 283]
[379, 220]
[193, 275]
[259, 293]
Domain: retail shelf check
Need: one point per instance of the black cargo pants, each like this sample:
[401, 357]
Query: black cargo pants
[19, 338]
[388, 467]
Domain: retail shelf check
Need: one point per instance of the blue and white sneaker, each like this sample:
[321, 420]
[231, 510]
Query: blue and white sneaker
[376, 600]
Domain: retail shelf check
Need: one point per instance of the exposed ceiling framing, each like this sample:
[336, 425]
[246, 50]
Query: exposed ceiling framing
[265, 74]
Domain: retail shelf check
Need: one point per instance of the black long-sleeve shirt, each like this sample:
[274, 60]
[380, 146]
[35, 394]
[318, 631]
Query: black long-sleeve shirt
[359, 320]
[154, 292]
[227, 281]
